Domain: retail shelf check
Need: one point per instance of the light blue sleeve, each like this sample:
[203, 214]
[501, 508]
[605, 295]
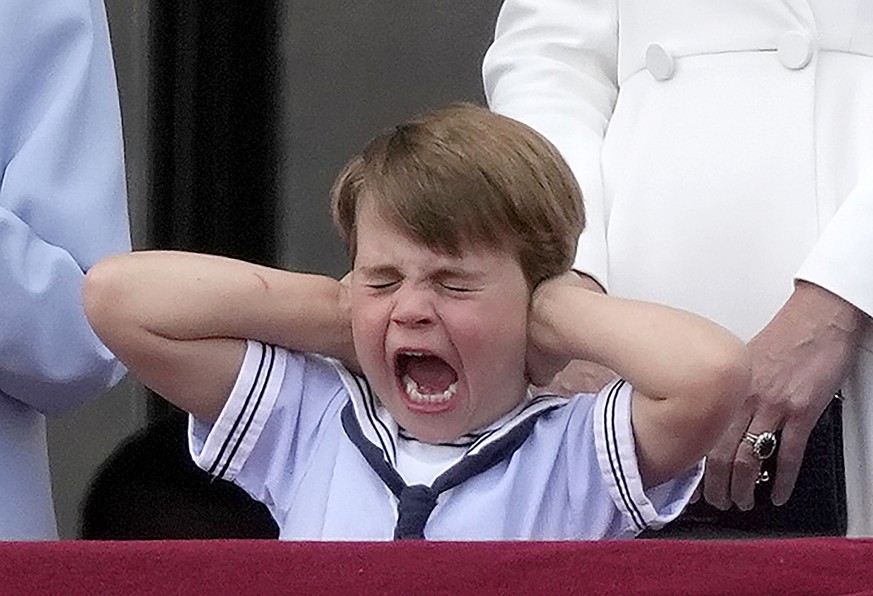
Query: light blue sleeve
[640, 508]
[271, 430]
[62, 197]
[606, 489]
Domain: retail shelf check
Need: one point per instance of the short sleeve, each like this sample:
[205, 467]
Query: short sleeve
[281, 406]
[617, 460]
[222, 448]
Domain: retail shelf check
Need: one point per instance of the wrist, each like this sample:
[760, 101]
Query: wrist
[816, 303]
[560, 308]
[343, 346]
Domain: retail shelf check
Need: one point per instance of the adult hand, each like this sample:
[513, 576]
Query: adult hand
[798, 362]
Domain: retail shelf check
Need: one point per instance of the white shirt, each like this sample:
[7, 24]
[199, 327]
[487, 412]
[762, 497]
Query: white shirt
[280, 438]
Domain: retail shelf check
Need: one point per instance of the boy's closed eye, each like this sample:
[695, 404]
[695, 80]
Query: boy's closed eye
[458, 288]
[379, 277]
[458, 281]
[381, 285]
[451, 287]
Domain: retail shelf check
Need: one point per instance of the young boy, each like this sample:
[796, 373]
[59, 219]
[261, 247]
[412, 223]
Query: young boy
[461, 227]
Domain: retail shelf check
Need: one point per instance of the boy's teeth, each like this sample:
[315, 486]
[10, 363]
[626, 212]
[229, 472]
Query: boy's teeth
[415, 393]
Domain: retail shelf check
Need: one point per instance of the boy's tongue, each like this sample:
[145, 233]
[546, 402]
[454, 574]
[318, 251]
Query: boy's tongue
[432, 375]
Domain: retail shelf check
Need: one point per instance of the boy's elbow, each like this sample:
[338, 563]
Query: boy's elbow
[729, 382]
[103, 296]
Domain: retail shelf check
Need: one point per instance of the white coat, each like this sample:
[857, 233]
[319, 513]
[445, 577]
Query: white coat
[724, 149]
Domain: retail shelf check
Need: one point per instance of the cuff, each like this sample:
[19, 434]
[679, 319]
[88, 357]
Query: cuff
[222, 448]
[840, 261]
[616, 455]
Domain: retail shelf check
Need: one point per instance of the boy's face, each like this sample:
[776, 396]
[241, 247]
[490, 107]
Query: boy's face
[441, 339]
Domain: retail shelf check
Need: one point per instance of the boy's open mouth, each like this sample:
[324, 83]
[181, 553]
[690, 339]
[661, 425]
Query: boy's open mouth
[427, 379]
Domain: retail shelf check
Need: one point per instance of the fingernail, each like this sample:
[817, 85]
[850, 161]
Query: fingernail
[721, 506]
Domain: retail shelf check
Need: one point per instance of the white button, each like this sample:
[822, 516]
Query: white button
[659, 62]
[795, 50]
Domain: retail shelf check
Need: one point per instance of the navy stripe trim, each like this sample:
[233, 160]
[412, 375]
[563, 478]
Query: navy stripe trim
[242, 411]
[460, 442]
[491, 454]
[381, 423]
[474, 439]
[370, 452]
[609, 425]
[252, 413]
[254, 410]
[519, 418]
[379, 429]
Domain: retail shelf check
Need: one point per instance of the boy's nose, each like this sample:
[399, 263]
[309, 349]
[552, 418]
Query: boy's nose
[412, 307]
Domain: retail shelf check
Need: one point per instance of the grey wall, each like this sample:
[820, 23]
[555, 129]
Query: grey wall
[354, 68]
[79, 442]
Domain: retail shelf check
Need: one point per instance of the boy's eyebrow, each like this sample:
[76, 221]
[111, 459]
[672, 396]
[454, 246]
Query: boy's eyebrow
[379, 271]
[438, 274]
[457, 273]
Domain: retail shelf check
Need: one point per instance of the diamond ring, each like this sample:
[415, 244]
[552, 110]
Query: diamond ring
[763, 445]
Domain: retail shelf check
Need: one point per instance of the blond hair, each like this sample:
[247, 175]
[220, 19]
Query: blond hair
[463, 177]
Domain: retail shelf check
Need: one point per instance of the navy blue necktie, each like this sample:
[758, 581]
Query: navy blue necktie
[415, 503]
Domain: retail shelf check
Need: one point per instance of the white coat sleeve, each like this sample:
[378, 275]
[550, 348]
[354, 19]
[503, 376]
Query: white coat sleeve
[553, 66]
[62, 197]
[842, 259]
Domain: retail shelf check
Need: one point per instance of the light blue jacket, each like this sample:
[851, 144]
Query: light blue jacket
[62, 208]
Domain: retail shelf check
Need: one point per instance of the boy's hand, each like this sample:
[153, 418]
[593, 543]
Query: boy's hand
[688, 374]
[546, 371]
[350, 360]
[545, 356]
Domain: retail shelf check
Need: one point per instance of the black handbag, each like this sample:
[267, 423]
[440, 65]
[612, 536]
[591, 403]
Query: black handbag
[817, 506]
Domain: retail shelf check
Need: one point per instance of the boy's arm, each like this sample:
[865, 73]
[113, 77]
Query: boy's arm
[688, 373]
[179, 320]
